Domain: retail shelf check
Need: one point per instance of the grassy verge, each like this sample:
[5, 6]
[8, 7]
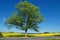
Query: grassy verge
[53, 39]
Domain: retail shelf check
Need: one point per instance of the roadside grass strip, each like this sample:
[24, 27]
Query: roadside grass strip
[53, 39]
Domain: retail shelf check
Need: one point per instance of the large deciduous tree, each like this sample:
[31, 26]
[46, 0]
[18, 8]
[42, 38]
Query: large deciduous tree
[27, 16]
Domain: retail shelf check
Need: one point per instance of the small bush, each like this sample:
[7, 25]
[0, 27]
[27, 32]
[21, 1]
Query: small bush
[46, 32]
[1, 34]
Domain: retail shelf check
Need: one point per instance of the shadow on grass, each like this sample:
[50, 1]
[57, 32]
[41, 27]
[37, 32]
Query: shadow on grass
[20, 36]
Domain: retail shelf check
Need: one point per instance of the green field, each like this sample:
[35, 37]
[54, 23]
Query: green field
[11, 34]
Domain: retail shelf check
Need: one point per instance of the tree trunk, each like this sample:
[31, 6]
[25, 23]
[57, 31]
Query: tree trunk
[26, 19]
[26, 32]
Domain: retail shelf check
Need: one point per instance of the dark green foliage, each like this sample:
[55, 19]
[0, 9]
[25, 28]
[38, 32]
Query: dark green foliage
[1, 34]
[26, 17]
[46, 32]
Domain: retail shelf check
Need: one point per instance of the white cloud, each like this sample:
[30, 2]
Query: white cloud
[4, 19]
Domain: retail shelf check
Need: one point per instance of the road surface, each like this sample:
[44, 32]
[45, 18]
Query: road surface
[32, 38]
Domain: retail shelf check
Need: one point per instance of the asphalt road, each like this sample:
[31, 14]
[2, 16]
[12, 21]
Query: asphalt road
[33, 38]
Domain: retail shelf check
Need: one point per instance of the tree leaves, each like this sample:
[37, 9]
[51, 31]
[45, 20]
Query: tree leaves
[26, 17]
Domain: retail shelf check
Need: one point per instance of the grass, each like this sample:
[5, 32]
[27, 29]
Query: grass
[7, 34]
[53, 39]
[17, 34]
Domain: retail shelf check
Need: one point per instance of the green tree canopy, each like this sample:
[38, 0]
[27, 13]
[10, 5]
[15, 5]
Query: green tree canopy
[27, 16]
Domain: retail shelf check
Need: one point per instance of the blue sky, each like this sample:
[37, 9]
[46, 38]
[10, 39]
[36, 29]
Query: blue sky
[49, 8]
